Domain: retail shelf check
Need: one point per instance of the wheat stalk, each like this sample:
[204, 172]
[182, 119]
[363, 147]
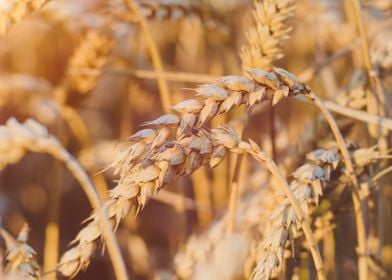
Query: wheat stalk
[16, 139]
[17, 11]
[21, 260]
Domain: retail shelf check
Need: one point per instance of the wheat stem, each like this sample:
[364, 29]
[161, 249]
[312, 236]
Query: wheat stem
[234, 196]
[201, 189]
[235, 191]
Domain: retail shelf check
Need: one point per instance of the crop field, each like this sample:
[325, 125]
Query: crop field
[195, 139]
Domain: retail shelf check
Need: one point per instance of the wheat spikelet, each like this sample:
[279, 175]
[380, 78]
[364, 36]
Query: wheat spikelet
[16, 11]
[20, 258]
[264, 37]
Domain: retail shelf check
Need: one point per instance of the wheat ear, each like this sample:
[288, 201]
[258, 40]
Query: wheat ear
[92, 53]
[265, 36]
[174, 146]
[16, 139]
[257, 209]
[21, 260]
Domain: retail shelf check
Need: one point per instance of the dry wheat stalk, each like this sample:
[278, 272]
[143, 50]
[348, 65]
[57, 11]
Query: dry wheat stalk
[16, 11]
[21, 260]
[264, 37]
[175, 146]
[16, 139]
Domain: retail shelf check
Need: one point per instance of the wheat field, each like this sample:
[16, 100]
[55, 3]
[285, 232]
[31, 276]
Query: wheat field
[195, 139]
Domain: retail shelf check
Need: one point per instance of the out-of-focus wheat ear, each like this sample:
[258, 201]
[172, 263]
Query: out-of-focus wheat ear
[92, 53]
[17, 11]
[20, 258]
[264, 37]
[169, 11]
[16, 139]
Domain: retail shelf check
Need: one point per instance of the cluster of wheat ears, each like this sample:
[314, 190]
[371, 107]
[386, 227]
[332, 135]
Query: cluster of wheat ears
[289, 172]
